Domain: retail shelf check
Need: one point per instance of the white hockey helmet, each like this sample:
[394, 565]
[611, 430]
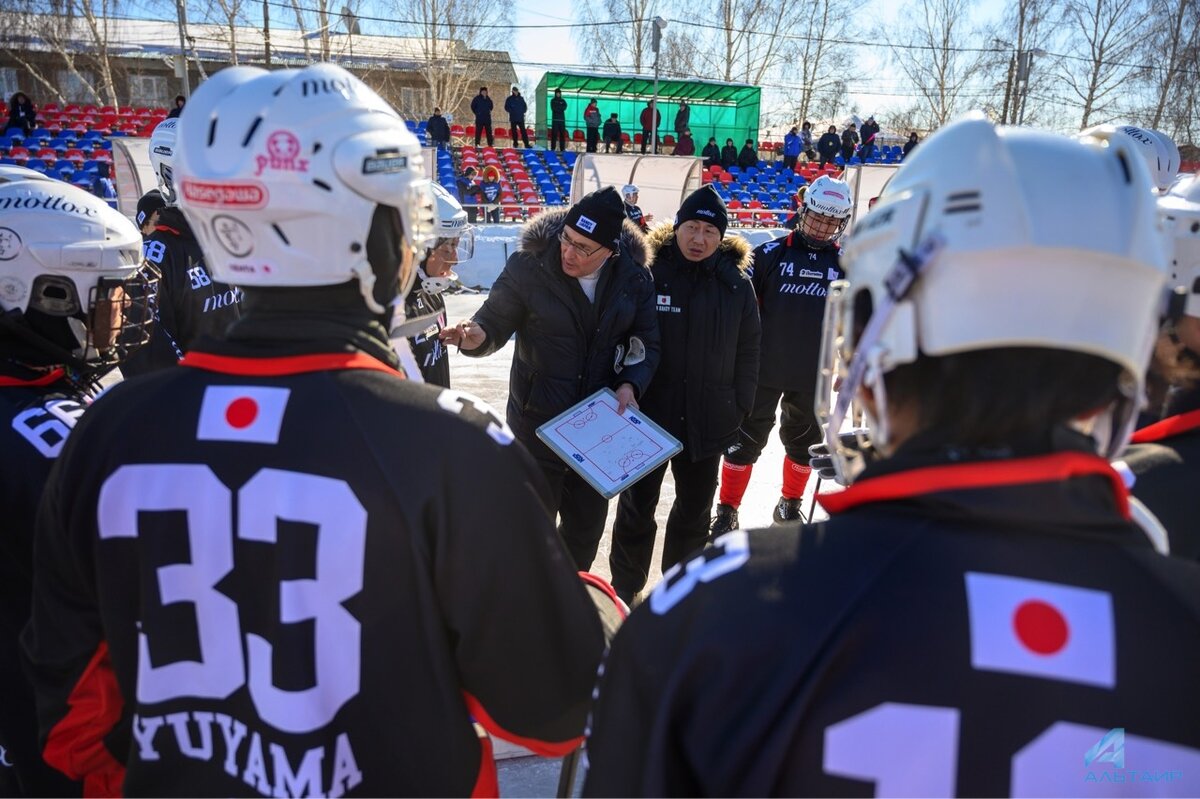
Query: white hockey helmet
[454, 236]
[827, 206]
[628, 190]
[303, 177]
[162, 156]
[1180, 209]
[69, 273]
[1011, 265]
[1156, 149]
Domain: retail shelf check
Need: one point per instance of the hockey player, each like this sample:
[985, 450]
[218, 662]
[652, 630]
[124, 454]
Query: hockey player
[791, 279]
[67, 275]
[309, 576]
[629, 193]
[425, 307]
[972, 620]
[1157, 149]
[1165, 458]
[189, 302]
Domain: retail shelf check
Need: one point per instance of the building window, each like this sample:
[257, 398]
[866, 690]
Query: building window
[75, 89]
[8, 83]
[148, 90]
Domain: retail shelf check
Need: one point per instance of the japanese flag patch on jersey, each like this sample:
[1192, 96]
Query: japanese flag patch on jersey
[242, 413]
[1040, 629]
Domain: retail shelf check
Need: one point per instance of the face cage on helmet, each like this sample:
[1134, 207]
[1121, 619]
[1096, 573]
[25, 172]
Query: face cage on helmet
[119, 318]
[461, 247]
[166, 183]
[825, 229]
[849, 453]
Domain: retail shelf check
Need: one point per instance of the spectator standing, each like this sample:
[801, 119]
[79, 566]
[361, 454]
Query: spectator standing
[490, 192]
[22, 115]
[612, 134]
[469, 194]
[708, 319]
[806, 141]
[910, 145]
[685, 145]
[729, 154]
[180, 102]
[558, 121]
[591, 120]
[748, 157]
[481, 107]
[651, 119]
[712, 153]
[682, 119]
[581, 303]
[828, 146]
[438, 130]
[516, 107]
[849, 142]
[103, 186]
[870, 130]
[791, 149]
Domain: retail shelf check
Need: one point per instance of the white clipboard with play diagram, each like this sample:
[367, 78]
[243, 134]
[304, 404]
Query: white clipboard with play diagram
[611, 451]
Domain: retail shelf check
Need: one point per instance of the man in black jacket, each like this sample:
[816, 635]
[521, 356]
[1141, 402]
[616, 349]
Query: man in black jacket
[869, 131]
[828, 146]
[558, 121]
[849, 142]
[580, 299]
[710, 330]
[438, 130]
[189, 303]
[729, 154]
[712, 152]
[972, 619]
[748, 157]
[481, 107]
[516, 107]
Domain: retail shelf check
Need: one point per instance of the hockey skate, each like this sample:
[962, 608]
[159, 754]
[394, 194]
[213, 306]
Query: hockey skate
[788, 511]
[725, 520]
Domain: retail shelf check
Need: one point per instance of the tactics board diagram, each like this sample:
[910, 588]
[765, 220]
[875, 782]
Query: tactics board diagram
[610, 450]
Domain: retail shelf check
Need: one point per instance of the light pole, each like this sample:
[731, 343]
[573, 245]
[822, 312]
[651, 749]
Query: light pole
[660, 25]
[1024, 67]
[181, 13]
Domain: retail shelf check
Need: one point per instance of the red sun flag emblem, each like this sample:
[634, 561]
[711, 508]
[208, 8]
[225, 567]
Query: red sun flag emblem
[241, 412]
[1040, 627]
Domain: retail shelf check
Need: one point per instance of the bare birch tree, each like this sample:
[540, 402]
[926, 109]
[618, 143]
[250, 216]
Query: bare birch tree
[934, 52]
[817, 65]
[1172, 47]
[75, 32]
[621, 33]
[1105, 40]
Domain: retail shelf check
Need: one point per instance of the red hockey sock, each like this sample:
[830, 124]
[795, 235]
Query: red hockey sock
[734, 479]
[795, 478]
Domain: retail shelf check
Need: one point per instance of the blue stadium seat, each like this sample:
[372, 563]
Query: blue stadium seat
[36, 164]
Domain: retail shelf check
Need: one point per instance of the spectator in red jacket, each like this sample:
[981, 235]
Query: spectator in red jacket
[651, 118]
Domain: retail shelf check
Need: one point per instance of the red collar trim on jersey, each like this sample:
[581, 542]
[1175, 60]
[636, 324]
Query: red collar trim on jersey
[168, 229]
[988, 474]
[290, 365]
[1171, 426]
[45, 380]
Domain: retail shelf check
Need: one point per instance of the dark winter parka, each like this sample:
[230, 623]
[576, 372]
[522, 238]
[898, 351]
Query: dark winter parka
[708, 320]
[567, 347]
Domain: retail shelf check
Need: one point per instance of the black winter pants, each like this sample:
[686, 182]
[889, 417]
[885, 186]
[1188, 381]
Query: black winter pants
[558, 134]
[687, 523]
[593, 139]
[480, 127]
[517, 129]
[798, 430]
[581, 512]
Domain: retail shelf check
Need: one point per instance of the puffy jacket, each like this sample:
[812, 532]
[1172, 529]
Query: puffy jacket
[729, 156]
[682, 116]
[708, 319]
[568, 348]
[646, 117]
[829, 145]
[481, 107]
[516, 107]
[747, 157]
[685, 146]
[712, 154]
[438, 129]
[558, 109]
[791, 144]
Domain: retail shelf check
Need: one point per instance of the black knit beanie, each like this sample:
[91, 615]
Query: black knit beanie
[703, 205]
[598, 216]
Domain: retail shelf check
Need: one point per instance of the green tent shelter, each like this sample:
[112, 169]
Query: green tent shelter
[723, 110]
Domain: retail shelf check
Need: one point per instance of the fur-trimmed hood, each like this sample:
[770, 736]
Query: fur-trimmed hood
[542, 233]
[735, 248]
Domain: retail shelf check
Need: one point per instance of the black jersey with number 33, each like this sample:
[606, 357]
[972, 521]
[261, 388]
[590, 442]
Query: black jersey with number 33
[956, 629]
[307, 578]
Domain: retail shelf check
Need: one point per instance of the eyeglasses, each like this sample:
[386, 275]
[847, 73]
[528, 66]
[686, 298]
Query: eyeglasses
[579, 249]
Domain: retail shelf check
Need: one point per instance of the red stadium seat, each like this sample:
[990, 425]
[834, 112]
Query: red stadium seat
[578, 136]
